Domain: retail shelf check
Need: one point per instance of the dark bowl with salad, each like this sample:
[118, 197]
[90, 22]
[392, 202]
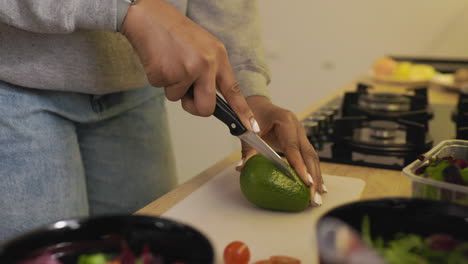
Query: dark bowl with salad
[112, 239]
[396, 230]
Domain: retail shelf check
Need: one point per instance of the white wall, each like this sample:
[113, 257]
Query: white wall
[314, 47]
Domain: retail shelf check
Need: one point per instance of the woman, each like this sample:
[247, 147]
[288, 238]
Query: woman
[83, 131]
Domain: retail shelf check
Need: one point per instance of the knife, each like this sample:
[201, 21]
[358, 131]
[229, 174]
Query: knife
[224, 113]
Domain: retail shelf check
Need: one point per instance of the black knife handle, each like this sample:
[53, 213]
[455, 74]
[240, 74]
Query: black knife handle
[225, 114]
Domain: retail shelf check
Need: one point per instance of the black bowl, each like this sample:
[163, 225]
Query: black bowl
[389, 216]
[409, 215]
[67, 239]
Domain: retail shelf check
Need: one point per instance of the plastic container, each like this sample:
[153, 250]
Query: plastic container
[434, 189]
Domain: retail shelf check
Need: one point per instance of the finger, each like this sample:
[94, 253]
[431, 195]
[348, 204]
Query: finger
[316, 190]
[322, 185]
[229, 88]
[247, 150]
[287, 131]
[307, 152]
[311, 160]
[315, 197]
[204, 95]
[188, 104]
[247, 153]
[203, 100]
[175, 92]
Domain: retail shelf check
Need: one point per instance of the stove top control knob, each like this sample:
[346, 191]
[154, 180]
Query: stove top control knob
[311, 128]
[322, 123]
[330, 117]
[313, 133]
[334, 108]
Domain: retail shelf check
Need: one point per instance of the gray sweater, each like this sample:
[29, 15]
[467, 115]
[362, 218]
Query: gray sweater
[74, 45]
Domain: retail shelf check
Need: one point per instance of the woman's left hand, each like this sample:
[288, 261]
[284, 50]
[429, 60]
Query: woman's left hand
[281, 129]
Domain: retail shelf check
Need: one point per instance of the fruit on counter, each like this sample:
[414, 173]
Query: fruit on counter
[385, 66]
[461, 76]
[236, 252]
[402, 71]
[266, 186]
[388, 68]
[416, 72]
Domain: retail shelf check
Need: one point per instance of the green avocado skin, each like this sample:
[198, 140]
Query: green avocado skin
[265, 186]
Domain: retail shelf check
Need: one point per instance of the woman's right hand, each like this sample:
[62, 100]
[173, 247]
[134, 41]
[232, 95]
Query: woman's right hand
[176, 53]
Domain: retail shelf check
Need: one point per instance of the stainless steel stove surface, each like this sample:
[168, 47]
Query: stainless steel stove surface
[382, 130]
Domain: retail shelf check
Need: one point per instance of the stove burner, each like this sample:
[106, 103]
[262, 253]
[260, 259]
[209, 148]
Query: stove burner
[384, 102]
[387, 106]
[381, 137]
[382, 129]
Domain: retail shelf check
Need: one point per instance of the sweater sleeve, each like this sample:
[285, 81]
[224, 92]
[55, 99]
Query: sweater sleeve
[237, 24]
[62, 16]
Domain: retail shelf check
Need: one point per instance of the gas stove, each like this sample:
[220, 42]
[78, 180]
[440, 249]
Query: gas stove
[382, 130]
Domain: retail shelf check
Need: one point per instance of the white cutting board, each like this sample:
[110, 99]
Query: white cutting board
[219, 210]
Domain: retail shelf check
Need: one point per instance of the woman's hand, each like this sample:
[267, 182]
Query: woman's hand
[176, 54]
[282, 130]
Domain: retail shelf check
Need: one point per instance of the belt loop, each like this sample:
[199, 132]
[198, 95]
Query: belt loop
[96, 104]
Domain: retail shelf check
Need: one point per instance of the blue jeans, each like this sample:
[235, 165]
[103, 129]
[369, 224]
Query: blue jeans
[65, 155]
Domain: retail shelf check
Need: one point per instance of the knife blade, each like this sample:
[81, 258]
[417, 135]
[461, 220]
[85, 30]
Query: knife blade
[225, 114]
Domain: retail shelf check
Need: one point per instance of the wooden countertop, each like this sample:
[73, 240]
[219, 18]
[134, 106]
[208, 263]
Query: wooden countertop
[379, 182]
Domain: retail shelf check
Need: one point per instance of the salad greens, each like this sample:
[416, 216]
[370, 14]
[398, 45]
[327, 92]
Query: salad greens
[97, 258]
[447, 169]
[414, 249]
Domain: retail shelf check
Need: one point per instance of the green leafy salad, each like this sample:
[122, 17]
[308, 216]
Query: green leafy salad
[415, 249]
[446, 169]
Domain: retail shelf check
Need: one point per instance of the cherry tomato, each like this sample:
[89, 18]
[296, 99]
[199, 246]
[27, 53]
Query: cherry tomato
[284, 260]
[236, 252]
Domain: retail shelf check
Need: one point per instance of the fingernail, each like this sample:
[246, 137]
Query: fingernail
[311, 181]
[240, 163]
[318, 198]
[255, 126]
[324, 188]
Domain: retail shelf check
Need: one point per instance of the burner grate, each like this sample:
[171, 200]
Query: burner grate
[382, 130]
